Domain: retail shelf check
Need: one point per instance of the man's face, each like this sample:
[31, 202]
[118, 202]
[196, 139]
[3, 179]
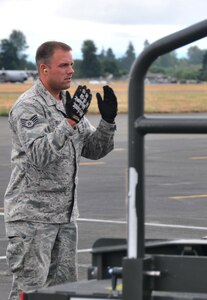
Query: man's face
[60, 70]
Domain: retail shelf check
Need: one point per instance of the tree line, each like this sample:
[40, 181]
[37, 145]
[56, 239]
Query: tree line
[105, 63]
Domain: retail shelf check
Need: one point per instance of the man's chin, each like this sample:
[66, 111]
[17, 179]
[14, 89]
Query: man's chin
[66, 86]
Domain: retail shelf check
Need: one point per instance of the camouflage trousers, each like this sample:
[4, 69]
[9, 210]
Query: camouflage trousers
[40, 255]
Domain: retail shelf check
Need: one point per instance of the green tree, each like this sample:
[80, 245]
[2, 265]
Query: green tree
[195, 55]
[77, 68]
[8, 55]
[102, 55]
[126, 61]
[146, 44]
[18, 40]
[90, 66]
[167, 60]
[110, 54]
[108, 63]
[12, 51]
[203, 71]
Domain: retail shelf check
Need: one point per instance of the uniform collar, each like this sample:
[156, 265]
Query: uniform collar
[49, 99]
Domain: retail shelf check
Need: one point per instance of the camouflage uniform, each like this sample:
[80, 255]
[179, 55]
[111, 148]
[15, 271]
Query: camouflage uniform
[41, 195]
[41, 254]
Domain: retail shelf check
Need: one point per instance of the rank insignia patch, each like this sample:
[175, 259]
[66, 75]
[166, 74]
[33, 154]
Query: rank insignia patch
[29, 123]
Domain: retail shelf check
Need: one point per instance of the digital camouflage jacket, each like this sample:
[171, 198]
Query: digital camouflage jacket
[45, 156]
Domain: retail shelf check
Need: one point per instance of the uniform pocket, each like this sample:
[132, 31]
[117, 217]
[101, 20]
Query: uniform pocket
[21, 235]
[14, 253]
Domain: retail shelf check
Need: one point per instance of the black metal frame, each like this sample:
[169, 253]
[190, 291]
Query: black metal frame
[135, 284]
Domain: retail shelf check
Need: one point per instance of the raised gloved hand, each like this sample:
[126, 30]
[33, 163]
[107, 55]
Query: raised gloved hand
[108, 105]
[77, 106]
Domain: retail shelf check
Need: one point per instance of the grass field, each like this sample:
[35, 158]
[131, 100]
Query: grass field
[165, 98]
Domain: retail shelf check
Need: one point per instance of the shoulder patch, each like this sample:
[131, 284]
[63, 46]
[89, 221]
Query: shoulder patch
[29, 123]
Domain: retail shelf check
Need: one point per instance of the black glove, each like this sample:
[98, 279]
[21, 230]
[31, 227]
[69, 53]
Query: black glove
[77, 106]
[108, 105]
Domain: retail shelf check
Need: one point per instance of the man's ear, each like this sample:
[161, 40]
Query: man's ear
[43, 68]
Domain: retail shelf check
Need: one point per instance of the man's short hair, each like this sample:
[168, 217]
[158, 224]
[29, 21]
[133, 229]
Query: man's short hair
[46, 50]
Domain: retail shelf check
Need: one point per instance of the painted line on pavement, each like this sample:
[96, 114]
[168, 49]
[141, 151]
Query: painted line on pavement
[176, 226]
[189, 197]
[119, 149]
[85, 250]
[124, 222]
[147, 223]
[93, 163]
[199, 157]
[101, 221]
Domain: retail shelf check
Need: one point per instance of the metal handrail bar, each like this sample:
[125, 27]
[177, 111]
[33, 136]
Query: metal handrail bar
[140, 125]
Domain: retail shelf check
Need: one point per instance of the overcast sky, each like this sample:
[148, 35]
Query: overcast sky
[109, 23]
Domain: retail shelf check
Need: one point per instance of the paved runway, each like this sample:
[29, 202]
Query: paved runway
[176, 191]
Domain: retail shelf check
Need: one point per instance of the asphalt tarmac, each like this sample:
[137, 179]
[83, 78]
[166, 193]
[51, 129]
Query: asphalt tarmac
[176, 192]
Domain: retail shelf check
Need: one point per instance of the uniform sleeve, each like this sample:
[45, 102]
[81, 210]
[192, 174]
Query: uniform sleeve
[41, 145]
[100, 141]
